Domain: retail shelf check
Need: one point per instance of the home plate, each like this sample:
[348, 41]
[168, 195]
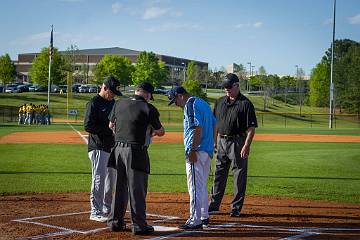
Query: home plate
[165, 229]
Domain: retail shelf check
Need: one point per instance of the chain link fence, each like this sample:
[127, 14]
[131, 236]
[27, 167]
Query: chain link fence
[175, 116]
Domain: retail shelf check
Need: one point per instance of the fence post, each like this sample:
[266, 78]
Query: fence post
[262, 119]
[285, 119]
[311, 120]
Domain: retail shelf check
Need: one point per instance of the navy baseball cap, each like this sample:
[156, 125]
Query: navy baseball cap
[175, 91]
[229, 80]
[113, 84]
[148, 87]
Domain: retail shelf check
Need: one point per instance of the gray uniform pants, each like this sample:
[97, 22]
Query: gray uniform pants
[130, 185]
[228, 151]
[101, 183]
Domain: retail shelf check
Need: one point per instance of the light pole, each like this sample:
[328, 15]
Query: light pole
[184, 69]
[248, 82]
[331, 107]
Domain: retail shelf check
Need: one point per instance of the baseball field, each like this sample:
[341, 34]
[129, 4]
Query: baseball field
[303, 183]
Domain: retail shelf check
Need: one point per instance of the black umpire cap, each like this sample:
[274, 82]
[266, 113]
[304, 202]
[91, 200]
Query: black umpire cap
[113, 84]
[229, 80]
[148, 87]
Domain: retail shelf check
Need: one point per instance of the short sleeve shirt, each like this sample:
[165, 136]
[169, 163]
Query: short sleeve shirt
[236, 117]
[197, 112]
[132, 117]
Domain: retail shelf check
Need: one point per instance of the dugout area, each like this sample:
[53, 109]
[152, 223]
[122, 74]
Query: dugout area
[66, 216]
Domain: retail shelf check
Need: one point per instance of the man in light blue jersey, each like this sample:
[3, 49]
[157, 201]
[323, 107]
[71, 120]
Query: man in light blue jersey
[199, 125]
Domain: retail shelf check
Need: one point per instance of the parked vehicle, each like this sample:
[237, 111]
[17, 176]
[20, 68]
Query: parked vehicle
[160, 90]
[84, 88]
[11, 88]
[2, 88]
[22, 88]
[63, 88]
[37, 88]
[93, 89]
[75, 88]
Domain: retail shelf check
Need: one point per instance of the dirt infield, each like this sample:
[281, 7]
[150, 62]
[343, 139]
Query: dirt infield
[72, 137]
[66, 216]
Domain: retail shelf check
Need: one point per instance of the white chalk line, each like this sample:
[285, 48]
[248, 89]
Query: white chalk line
[67, 231]
[80, 134]
[305, 232]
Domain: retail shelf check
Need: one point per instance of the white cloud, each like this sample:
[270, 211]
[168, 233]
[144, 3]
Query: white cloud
[154, 12]
[167, 27]
[249, 25]
[355, 19]
[116, 7]
[257, 24]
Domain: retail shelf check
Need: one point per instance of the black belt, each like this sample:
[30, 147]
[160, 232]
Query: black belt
[232, 136]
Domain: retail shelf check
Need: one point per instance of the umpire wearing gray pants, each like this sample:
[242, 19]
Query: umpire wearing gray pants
[131, 118]
[236, 123]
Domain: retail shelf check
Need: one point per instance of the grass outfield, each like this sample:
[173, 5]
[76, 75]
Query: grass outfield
[328, 171]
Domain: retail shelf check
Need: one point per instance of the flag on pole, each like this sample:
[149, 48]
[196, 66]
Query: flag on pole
[51, 44]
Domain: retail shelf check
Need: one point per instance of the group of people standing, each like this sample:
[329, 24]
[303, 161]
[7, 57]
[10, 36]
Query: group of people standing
[119, 133]
[34, 114]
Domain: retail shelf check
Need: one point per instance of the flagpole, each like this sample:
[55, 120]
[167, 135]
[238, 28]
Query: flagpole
[50, 62]
[332, 107]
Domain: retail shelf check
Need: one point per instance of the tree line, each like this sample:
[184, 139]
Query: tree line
[346, 77]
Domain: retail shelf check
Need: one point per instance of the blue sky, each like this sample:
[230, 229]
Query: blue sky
[276, 34]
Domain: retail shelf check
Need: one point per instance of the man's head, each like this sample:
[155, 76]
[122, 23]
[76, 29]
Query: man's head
[110, 88]
[231, 85]
[178, 95]
[145, 89]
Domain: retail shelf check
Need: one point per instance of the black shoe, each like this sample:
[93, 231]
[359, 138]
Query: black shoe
[146, 230]
[213, 211]
[117, 227]
[205, 223]
[191, 227]
[235, 213]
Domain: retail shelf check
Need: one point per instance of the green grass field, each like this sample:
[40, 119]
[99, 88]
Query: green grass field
[328, 171]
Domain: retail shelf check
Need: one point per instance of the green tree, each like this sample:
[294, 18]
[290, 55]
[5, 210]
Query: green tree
[194, 88]
[39, 71]
[7, 69]
[286, 83]
[149, 68]
[319, 85]
[352, 73]
[262, 70]
[117, 66]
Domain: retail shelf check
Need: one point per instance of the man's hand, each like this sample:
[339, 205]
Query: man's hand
[245, 151]
[192, 156]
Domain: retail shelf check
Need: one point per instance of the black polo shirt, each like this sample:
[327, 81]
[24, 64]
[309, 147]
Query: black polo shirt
[132, 117]
[234, 118]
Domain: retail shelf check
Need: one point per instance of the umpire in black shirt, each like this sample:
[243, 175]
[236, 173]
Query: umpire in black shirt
[236, 123]
[130, 118]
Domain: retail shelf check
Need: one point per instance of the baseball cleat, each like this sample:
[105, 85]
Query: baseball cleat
[205, 222]
[235, 213]
[191, 227]
[98, 218]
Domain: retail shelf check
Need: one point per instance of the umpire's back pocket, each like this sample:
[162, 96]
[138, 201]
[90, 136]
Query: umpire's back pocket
[140, 158]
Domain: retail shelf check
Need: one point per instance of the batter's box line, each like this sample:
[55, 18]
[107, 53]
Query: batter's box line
[67, 231]
[304, 232]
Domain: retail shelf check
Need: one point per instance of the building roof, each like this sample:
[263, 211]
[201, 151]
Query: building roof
[108, 51]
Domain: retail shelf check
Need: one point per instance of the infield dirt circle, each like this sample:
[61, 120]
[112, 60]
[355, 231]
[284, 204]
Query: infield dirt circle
[66, 215]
